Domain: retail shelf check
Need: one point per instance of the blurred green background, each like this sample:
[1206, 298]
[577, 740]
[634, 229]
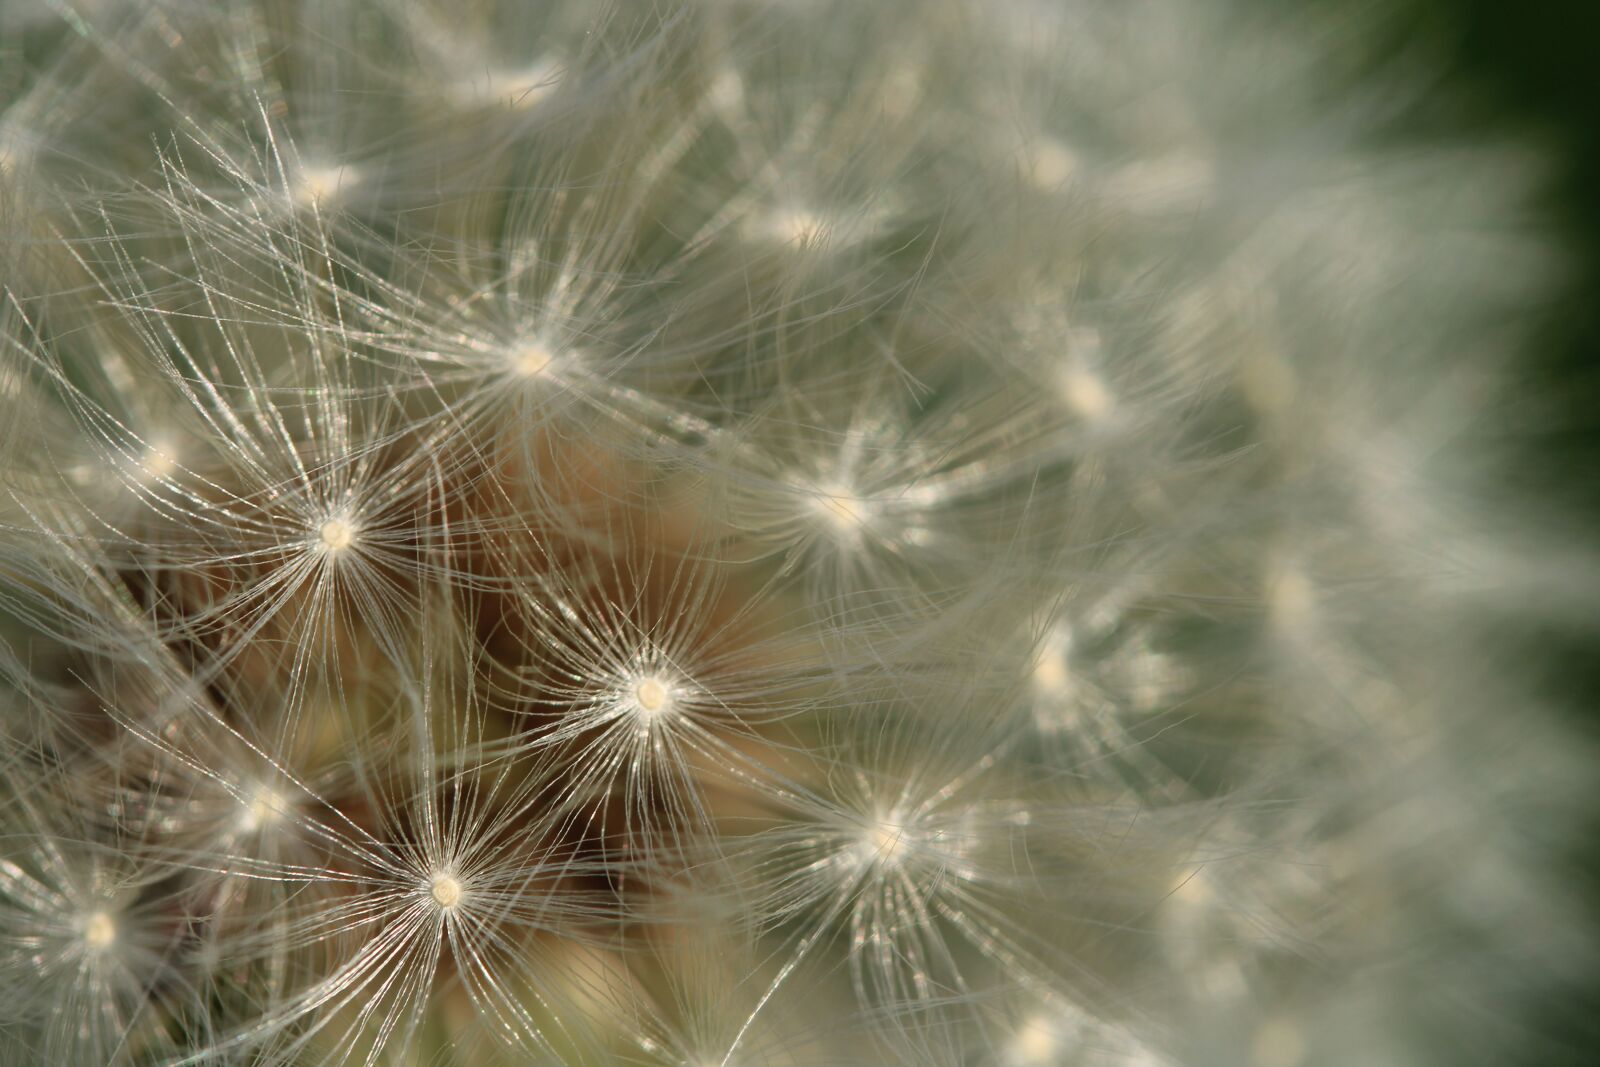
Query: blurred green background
[1535, 65]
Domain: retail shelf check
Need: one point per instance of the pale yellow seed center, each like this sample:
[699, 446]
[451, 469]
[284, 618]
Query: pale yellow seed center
[842, 509]
[1086, 394]
[157, 461]
[99, 930]
[884, 842]
[315, 184]
[531, 360]
[445, 890]
[336, 535]
[1037, 1041]
[650, 695]
[263, 809]
[799, 226]
[1047, 163]
[1050, 675]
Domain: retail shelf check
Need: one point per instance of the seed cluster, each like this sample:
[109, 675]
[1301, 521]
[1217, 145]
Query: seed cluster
[923, 532]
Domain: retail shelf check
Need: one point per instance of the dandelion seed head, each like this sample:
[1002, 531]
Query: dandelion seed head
[515, 88]
[726, 91]
[1148, 679]
[336, 534]
[653, 696]
[1191, 887]
[884, 840]
[1051, 675]
[98, 930]
[1086, 393]
[158, 460]
[322, 183]
[155, 463]
[1037, 1041]
[836, 440]
[16, 149]
[1291, 598]
[445, 889]
[264, 807]
[530, 359]
[903, 88]
[842, 511]
[1046, 162]
[650, 695]
[798, 226]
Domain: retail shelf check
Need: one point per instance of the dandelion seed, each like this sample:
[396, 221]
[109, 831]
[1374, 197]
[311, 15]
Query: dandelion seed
[336, 534]
[99, 930]
[1291, 597]
[313, 184]
[1036, 1043]
[514, 88]
[1046, 162]
[530, 360]
[16, 149]
[1083, 386]
[653, 696]
[1192, 888]
[88, 946]
[797, 226]
[844, 512]
[885, 841]
[445, 889]
[158, 461]
[726, 90]
[1064, 1033]
[1086, 393]
[770, 512]
[1051, 675]
[265, 807]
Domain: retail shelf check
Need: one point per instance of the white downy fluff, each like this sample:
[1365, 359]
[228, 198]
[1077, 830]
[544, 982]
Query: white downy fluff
[798, 532]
